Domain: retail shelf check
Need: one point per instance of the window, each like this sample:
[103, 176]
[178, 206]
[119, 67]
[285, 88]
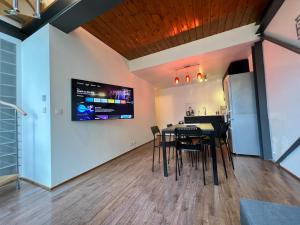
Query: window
[8, 131]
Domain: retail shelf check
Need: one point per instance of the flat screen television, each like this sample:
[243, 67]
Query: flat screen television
[97, 101]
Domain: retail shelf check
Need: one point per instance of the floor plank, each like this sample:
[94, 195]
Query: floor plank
[125, 191]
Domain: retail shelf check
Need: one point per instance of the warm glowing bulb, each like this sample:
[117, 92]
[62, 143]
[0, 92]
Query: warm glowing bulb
[187, 78]
[176, 80]
[199, 76]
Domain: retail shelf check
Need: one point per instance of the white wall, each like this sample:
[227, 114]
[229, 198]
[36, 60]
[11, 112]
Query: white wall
[283, 83]
[55, 148]
[171, 103]
[80, 146]
[36, 149]
[283, 25]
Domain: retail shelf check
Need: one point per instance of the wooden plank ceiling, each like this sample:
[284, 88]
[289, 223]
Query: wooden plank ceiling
[137, 28]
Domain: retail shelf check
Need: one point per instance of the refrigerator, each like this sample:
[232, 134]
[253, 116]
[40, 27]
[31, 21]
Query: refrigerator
[241, 113]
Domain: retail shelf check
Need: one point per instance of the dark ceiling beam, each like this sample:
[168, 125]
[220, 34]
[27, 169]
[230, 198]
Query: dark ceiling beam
[66, 15]
[49, 15]
[11, 30]
[268, 15]
[82, 12]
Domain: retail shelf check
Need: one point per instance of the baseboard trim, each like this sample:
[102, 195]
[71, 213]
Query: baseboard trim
[35, 183]
[287, 171]
[73, 178]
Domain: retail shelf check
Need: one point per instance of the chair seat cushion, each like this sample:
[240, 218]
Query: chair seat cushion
[255, 212]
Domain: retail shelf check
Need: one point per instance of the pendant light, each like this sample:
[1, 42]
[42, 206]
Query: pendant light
[199, 76]
[191, 74]
[187, 78]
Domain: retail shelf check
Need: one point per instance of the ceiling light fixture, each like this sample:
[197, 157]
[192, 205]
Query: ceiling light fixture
[189, 70]
[187, 78]
[199, 76]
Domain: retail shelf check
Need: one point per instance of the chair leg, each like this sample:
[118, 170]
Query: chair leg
[203, 167]
[179, 169]
[169, 154]
[181, 163]
[224, 164]
[176, 165]
[192, 158]
[159, 154]
[229, 153]
[179, 158]
[153, 157]
[173, 150]
[205, 149]
[196, 165]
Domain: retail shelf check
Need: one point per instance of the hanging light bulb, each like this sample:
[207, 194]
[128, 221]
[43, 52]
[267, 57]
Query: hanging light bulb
[187, 78]
[205, 78]
[176, 80]
[199, 76]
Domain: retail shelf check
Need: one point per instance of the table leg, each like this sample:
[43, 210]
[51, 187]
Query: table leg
[214, 160]
[165, 163]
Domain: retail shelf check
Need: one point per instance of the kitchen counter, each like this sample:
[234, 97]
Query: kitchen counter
[213, 119]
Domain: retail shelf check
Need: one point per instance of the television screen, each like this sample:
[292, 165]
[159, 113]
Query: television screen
[97, 101]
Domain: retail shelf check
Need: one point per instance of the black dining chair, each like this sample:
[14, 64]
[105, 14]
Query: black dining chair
[171, 138]
[157, 143]
[224, 138]
[187, 140]
[221, 135]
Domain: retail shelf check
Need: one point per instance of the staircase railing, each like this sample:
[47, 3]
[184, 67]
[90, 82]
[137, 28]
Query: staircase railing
[9, 145]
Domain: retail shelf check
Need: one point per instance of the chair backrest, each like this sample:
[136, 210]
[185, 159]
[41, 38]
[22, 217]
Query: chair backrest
[222, 129]
[169, 125]
[155, 130]
[190, 131]
[184, 137]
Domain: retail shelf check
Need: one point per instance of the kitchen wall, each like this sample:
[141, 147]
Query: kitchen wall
[171, 103]
[55, 148]
[283, 83]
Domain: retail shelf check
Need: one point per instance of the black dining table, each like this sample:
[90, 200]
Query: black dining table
[208, 130]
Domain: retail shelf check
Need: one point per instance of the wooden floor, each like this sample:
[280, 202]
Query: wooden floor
[125, 191]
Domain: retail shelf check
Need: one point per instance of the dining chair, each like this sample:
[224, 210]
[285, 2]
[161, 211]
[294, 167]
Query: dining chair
[185, 141]
[223, 137]
[157, 143]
